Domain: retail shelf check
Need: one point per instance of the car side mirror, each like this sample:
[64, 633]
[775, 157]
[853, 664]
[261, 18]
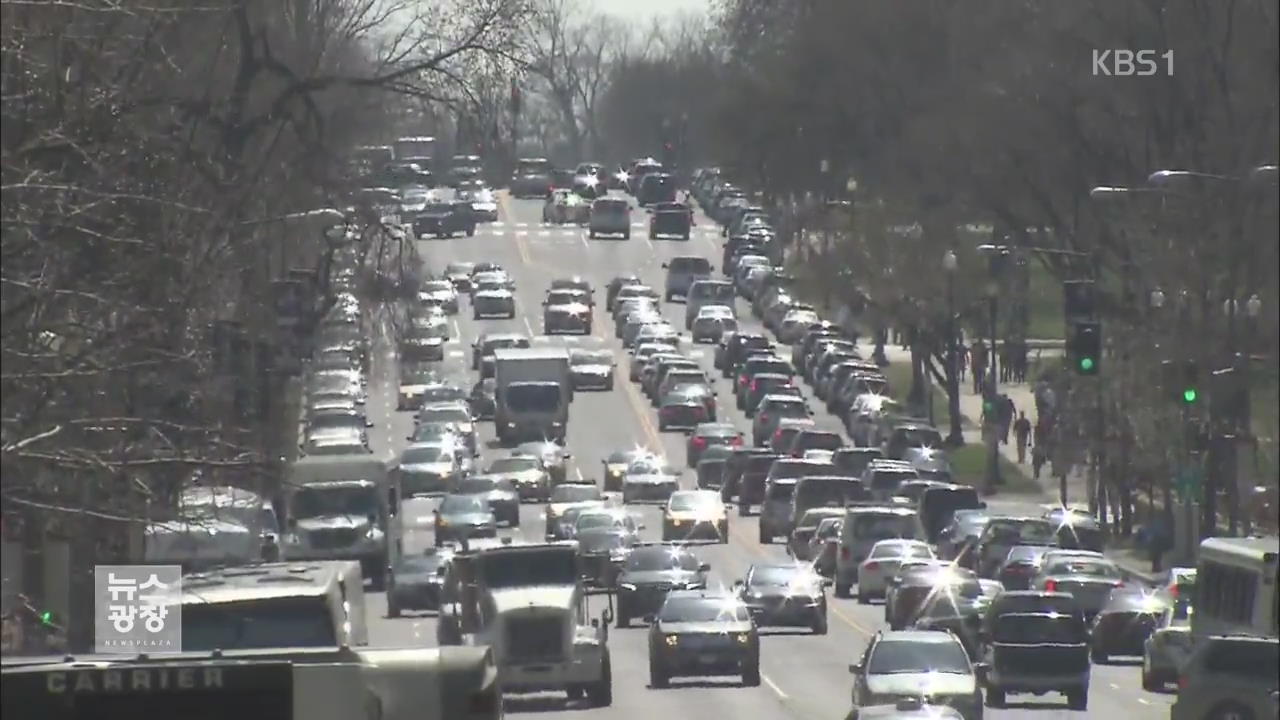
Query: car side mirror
[409, 438]
[640, 526]
[855, 668]
[982, 505]
[980, 671]
[665, 265]
[368, 423]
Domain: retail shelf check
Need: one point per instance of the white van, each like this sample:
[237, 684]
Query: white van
[863, 527]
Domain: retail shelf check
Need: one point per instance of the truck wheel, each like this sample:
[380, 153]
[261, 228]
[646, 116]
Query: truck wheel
[624, 620]
[626, 235]
[592, 235]
[658, 675]
[1078, 699]
[378, 580]
[744, 508]
[686, 237]
[511, 315]
[995, 697]
[574, 692]
[819, 625]
[766, 538]
[1150, 682]
[1098, 656]
[751, 674]
[515, 519]
[601, 692]
[475, 315]
[471, 231]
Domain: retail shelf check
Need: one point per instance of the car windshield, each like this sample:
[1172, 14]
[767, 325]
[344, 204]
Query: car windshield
[622, 457]
[443, 393]
[432, 286]
[460, 268]
[514, 464]
[897, 657]
[703, 610]
[533, 167]
[901, 550]
[1031, 629]
[473, 485]
[884, 526]
[424, 455]
[1083, 567]
[258, 623]
[693, 501]
[590, 357]
[661, 558]
[463, 505]
[492, 344]
[566, 297]
[444, 415]
[419, 564]
[778, 576]
[589, 521]
[519, 568]
[319, 502]
[438, 208]
[575, 493]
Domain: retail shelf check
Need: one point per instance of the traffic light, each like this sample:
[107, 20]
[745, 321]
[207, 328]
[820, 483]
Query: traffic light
[1181, 381]
[1084, 347]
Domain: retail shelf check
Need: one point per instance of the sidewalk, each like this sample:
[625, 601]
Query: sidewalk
[1133, 562]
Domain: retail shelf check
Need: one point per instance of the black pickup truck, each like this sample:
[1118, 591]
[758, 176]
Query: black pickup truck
[1036, 652]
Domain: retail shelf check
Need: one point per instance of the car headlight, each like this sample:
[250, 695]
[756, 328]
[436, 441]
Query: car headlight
[626, 586]
[373, 533]
[743, 638]
[671, 640]
[441, 522]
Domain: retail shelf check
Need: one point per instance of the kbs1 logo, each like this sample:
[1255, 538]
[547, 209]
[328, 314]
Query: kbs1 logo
[1132, 63]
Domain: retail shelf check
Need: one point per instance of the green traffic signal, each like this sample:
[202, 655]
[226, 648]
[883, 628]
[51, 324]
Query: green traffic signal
[1086, 364]
[46, 617]
[1190, 395]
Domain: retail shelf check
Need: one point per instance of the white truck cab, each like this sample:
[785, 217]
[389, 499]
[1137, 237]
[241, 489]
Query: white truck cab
[528, 602]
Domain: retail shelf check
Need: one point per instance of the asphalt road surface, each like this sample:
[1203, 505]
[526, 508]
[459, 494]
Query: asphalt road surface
[803, 677]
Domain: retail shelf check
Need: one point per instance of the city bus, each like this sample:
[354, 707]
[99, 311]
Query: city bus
[1236, 587]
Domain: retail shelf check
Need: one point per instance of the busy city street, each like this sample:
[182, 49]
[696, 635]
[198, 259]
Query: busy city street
[802, 676]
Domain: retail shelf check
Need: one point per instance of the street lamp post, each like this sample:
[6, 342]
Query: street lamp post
[955, 438]
[991, 389]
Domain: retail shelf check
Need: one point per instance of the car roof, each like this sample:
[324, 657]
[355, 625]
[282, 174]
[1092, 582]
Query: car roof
[920, 636]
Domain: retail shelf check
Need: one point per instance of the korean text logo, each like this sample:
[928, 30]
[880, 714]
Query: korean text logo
[138, 609]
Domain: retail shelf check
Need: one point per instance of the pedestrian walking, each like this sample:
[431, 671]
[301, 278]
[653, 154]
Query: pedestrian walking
[1004, 361]
[1020, 362]
[978, 356]
[1022, 434]
[1006, 417]
[962, 359]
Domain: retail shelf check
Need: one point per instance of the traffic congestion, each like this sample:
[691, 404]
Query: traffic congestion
[732, 512]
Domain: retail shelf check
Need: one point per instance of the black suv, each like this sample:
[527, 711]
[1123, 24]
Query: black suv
[445, 219]
[672, 219]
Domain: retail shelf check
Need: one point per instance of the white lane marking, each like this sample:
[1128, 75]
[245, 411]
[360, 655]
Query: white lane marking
[456, 353]
[773, 686]
[1144, 701]
[522, 233]
[544, 233]
[578, 471]
[582, 237]
[497, 223]
[637, 225]
[648, 242]
[527, 326]
[1115, 686]
[457, 332]
[520, 225]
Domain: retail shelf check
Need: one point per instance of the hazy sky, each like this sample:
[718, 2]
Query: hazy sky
[642, 10]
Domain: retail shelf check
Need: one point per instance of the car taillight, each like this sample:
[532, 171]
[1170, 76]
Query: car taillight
[873, 565]
[755, 385]
[699, 442]
[1050, 585]
[736, 441]
[764, 418]
[742, 379]
[777, 435]
[1183, 682]
[1173, 591]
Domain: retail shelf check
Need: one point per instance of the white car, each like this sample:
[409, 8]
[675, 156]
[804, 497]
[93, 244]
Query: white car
[794, 324]
[712, 322]
[883, 562]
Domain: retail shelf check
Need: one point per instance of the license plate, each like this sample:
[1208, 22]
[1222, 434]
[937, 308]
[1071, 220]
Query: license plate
[708, 658]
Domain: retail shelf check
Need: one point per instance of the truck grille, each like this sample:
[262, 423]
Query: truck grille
[332, 538]
[535, 639]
